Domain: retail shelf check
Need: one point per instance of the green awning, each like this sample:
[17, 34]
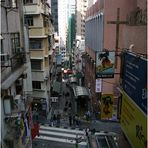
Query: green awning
[79, 75]
[57, 86]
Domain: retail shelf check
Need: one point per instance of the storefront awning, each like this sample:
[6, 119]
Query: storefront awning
[81, 91]
[73, 80]
[56, 86]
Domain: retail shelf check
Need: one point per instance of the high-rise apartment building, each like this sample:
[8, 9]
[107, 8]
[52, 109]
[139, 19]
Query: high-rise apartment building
[111, 32]
[81, 7]
[62, 20]
[16, 86]
[71, 24]
[37, 17]
[54, 13]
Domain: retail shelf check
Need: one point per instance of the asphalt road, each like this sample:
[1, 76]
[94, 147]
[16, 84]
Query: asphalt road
[50, 144]
[98, 125]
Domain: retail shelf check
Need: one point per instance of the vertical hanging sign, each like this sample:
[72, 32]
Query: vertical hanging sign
[105, 62]
[106, 106]
[98, 85]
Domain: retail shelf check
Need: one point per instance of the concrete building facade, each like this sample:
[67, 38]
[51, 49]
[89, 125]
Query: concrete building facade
[81, 7]
[112, 26]
[38, 18]
[54, 13]
[16, 86]
[63, 21]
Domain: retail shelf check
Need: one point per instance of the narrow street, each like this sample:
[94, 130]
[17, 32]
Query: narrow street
[50, 134]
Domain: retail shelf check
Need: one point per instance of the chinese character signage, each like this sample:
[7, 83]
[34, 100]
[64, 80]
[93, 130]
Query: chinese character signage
[105, 62]
[98, 85]
[135, 80]
[106, 106]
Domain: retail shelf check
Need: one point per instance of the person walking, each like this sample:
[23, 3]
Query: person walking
[70, 120]
[51, 121]
[58, 119]
[74, 120]
[54, 119]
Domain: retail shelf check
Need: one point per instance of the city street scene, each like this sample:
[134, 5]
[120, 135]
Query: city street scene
[73, 74]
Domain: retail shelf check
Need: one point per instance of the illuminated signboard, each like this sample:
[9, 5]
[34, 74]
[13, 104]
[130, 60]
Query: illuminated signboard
[135, 80]
[105, 62]
[133, 123]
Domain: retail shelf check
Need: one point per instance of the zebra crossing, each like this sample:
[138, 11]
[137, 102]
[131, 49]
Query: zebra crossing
[62, 135]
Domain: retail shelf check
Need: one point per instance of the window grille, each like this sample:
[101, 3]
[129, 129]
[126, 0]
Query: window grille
[36, 84]
[36, 64]
[15, 42]
[29, 20]
[35, 44]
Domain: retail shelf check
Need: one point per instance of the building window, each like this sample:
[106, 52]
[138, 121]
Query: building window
[15, 42]
[28, 1]
[2, 47]
[36, 84]
[45, 21]
[35, 44]
[29, 20]
[36, 64]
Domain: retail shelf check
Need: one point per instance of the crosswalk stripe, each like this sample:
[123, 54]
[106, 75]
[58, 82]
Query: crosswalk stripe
[61, 130]
[56, 139]
[59, 134]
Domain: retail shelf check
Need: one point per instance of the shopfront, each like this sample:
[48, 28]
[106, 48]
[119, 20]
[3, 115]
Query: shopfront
[82, 100]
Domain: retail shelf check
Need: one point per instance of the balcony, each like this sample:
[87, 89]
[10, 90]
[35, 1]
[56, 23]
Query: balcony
[11, 64]
[40, 75]
[38, 32]
[35, 8]
[17, 60]
[38, 53]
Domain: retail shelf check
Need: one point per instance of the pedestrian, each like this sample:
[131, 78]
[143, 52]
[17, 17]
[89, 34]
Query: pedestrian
[54, 119]
[79, 120]
[87, 132]
[51, 121]
[88, 115]
[70, 105]
[74, 120]
[70, 120]
[58, 118]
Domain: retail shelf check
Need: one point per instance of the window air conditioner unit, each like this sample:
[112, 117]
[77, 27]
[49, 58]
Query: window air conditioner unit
[8, 104]
[20, 103]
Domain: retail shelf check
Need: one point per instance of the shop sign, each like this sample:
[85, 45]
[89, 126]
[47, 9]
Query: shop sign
[54, 99]
[106, 106]
[105, 62]
[98, 85]
[135, 79]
